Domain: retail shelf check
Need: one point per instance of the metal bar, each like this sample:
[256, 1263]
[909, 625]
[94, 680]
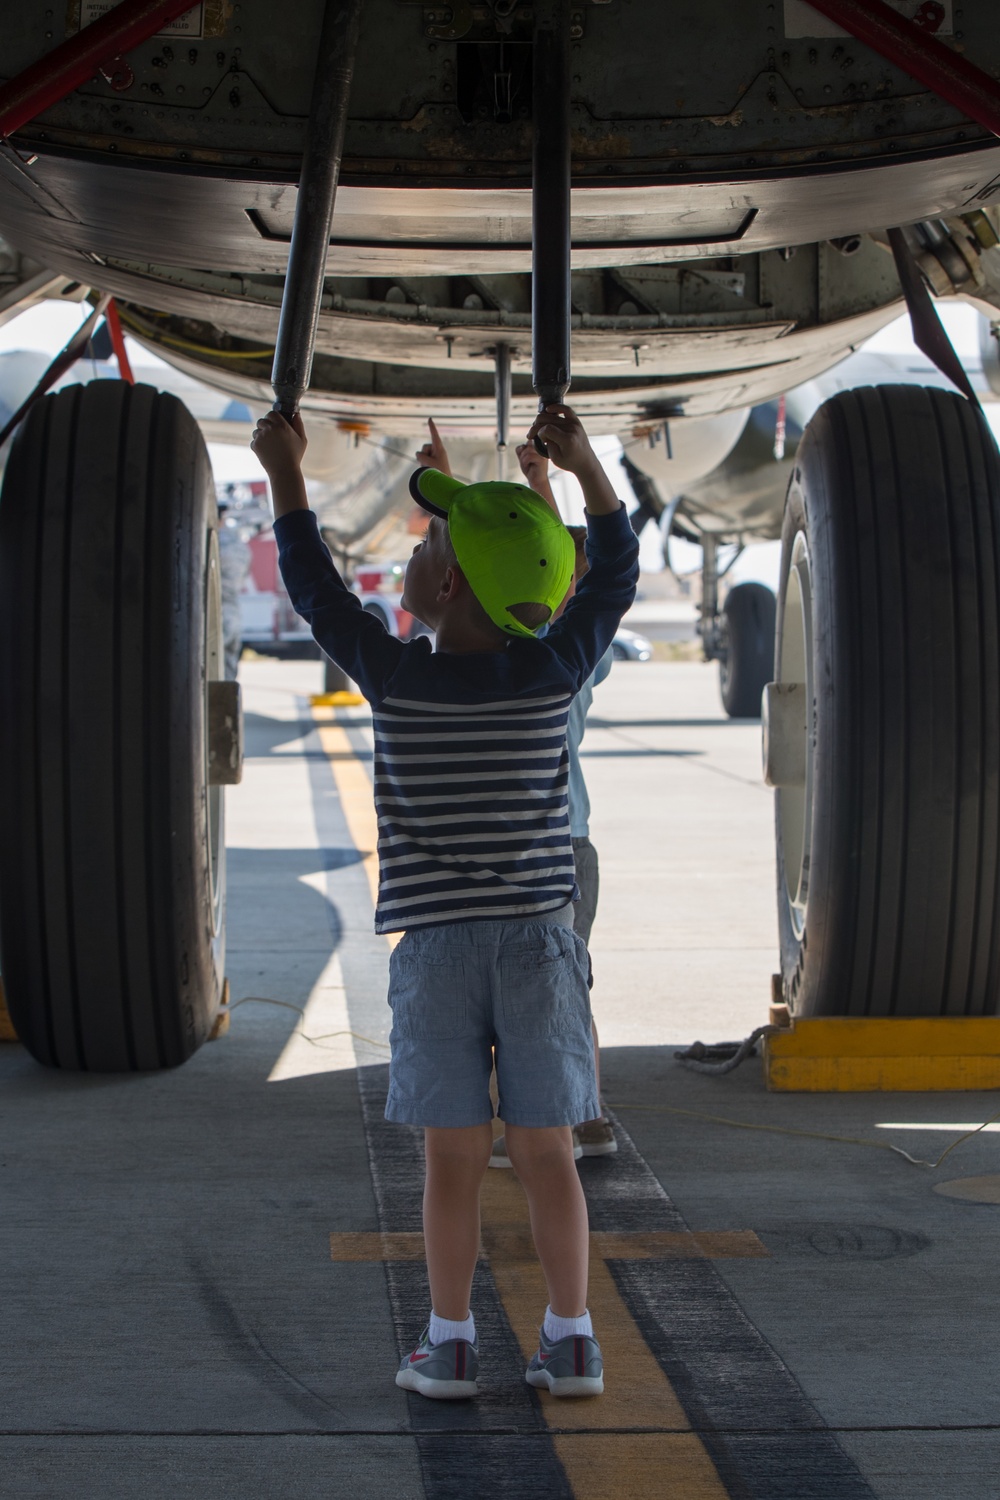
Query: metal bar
[929, 333]
[118, 342]
[920, 54]
[460, 247]
[78, 58]
[503, 381]
[708, 627]
[67, 356]
[300, 302]
[550, 204]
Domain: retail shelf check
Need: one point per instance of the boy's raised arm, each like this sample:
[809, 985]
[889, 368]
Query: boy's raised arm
[352, 637]
[434, 454]
[561, 430]
[535, 469]
[585, 630]
[279, 446]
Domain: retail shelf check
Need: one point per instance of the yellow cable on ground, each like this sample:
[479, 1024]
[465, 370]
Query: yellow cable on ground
[813, 1135]
[316, 1041]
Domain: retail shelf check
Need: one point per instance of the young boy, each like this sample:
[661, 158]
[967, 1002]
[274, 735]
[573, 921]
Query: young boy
[590, 1137]
[476, 863]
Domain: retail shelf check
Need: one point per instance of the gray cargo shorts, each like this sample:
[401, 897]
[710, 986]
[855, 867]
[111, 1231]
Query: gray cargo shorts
[467, 993]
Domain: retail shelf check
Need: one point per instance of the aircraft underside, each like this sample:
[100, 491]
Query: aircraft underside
[736, 168]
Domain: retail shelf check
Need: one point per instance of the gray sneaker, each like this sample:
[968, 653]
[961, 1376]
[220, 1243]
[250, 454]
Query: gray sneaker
[499, 1157]
[596, 1137]
[445, 1372]
[569, 1367]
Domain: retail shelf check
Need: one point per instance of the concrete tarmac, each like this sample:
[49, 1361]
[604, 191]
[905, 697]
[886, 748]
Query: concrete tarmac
[207, 1276]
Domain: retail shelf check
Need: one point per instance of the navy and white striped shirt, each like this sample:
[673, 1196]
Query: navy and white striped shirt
[471, 766]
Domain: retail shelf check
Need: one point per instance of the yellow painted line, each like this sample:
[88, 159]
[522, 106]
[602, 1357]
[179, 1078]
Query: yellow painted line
[355, 788]
[599, 1461]
[381, 1245]
[637, 1393]
[637, 1466]
[513, 1242]
[356, 798]
[847, 1054]
[336, 700]
[698, 1244]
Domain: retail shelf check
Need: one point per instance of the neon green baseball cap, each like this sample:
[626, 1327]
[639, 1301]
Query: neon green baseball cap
[511, 546]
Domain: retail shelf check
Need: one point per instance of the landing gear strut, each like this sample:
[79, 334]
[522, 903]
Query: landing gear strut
[303, 292]
[318, 178]
[740, 637]
[550, 206]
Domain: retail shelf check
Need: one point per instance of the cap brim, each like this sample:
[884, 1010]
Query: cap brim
[434, 491]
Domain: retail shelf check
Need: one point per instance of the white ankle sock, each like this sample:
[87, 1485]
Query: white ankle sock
[441, 1329]
[565, 1328]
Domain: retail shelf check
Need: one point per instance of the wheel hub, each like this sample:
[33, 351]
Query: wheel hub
[786, 735]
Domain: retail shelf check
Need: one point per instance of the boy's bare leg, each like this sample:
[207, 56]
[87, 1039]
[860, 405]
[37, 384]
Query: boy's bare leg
[456, 1164]
[543, 1160]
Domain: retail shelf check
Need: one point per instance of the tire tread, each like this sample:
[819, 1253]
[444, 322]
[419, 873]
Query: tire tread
[898, 490]
[109, 955]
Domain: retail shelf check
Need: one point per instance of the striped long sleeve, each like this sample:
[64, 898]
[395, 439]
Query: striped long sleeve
[471, 765]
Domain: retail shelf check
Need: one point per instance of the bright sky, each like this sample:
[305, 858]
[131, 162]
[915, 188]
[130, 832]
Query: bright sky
[961, 323]
[47, 327]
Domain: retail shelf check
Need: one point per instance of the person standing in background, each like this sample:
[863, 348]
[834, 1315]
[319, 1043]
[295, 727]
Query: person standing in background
[591, 1137]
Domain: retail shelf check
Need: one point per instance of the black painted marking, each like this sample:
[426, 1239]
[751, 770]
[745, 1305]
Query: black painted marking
[623, 1194]
[491, 1465]
[465, 1446]
[725, 1374]
[764, 1437]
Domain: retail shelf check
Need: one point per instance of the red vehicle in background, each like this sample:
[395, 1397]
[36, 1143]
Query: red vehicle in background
[270, 624]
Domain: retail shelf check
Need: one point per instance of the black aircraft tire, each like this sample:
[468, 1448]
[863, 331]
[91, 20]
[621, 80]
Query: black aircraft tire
[748, 664]
[889, 853]
[112, 853]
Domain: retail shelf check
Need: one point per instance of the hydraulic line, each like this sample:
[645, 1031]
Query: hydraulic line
[118, 342]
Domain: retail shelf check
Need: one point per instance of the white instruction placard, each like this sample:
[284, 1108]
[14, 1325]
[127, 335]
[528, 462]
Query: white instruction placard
[934, 16]
[191, 23]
